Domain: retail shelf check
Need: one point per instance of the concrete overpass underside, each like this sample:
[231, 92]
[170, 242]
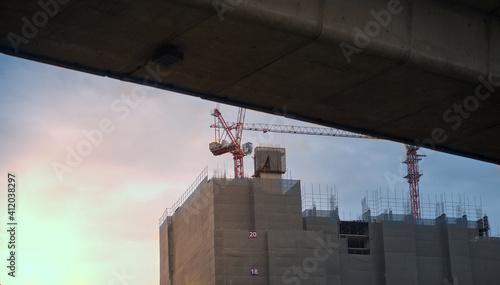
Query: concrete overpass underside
[420, 72]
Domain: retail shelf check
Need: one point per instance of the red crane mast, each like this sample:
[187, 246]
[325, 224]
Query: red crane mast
[413, 176]
[224, 130]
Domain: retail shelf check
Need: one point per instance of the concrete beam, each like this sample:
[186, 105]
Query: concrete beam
[412, 71]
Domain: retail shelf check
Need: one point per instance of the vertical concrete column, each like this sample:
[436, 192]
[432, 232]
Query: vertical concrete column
[400, 253]
[459, 255]
[164, 255]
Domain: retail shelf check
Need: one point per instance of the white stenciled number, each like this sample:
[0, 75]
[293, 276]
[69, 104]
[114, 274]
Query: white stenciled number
[252, 234]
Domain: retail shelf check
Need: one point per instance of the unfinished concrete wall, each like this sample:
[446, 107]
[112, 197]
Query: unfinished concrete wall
[233, 204]
[235, 252]
[361, 266]
[432, 254]
[274, 209]
[245, 205]
[485, 261]
[400, 253]
[377, 254]
[190, 241]
[328, 225]
[164, 255]
[459, 254]
[229, 228]
[304, 257]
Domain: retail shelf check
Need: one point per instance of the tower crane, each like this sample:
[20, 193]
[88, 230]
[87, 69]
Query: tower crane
[228, 136]
[413, 177]
[224, 131]
[411, 161]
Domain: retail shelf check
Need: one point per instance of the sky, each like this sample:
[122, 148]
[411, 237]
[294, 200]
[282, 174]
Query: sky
[98, 160]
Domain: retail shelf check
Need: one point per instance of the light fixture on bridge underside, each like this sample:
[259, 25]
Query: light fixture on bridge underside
[168, 56]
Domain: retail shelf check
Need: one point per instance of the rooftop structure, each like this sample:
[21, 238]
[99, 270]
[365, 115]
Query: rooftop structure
[256, 231]
[269, 162]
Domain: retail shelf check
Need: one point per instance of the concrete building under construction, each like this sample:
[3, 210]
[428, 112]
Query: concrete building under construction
[255, 231]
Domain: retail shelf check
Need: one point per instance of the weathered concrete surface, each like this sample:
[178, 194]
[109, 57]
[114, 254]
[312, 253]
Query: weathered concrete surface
[414, 70]
[207, 241]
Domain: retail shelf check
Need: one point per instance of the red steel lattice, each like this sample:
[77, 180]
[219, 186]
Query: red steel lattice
[413, 176]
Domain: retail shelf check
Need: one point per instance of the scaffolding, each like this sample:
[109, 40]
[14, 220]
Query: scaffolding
[450, 206]
[321, 202]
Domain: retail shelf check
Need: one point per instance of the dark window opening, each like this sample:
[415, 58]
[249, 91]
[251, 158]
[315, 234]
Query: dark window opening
[357, 234]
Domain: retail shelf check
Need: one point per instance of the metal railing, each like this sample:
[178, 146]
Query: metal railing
[452, 205]
[170, 210]
[423, 221]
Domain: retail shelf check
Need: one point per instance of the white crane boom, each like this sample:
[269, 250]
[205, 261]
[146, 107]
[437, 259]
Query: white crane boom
[285, 129]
